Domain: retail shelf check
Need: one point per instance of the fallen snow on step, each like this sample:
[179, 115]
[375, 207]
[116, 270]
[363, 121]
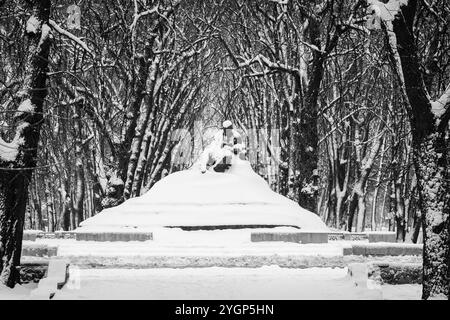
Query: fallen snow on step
[20, 292]
[402, 292]
[190, 198]
[269, 282]
[175, 242]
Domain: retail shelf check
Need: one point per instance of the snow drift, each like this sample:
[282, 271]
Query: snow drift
[238, 197]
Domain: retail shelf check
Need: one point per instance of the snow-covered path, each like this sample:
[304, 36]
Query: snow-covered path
[216, 264]
[173, 248]
[269, 282]
[173, 244]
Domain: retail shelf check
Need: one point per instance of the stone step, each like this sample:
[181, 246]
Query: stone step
[31, 235]
[39, 250]
[382, 236]
[298, 237]
[377, 273]
[396, 273]
[371, 236]
[32, 271]
[56, 278]
[384, 249]
[231, 226]
[114, 236]
[244, 261]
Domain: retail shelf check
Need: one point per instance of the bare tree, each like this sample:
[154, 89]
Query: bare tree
[18, 157]
[429, 123]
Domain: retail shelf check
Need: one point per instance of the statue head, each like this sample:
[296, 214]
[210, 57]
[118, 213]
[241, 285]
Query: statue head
[227, 127]
[227, 124]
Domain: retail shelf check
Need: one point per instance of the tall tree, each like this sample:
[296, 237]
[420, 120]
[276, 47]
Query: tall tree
[429, 121]
[18, 156]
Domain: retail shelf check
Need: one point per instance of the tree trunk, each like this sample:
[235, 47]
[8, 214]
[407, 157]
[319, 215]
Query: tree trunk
[417, 226]
[79, 170]
[400, 214]
[383, 207]
[65, 211]
[49, 207]
[360, 225]
[358, 193]
[17, 172]
[37, 207]
[377, 189]
[430, 159]
[351, 210]
[435, 204]
[308, 129]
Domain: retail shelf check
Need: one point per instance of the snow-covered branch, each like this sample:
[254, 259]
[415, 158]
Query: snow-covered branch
[264, 61]
[71, 36]
[441, 105]
[281, 2]
[386, 11]
[137, 15]
[10, 150]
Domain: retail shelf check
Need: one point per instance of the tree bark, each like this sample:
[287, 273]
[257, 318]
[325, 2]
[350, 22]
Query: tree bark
[49, 206]
[79, 170]
[430, 160]
[16, 174]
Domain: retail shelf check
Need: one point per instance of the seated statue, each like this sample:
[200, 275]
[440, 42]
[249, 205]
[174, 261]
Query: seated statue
[218, 155]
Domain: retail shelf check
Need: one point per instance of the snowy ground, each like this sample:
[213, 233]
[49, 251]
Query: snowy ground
[177, 242]
[225, 248]
[220, 264]
[20, 292]
[269, 282]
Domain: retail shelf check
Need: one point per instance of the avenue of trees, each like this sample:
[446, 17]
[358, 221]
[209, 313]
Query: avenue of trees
[350, 100]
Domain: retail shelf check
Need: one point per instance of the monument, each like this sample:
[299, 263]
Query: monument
[200, 199]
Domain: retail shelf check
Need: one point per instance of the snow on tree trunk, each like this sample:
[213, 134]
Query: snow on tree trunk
[79, 170]
[358, 195]
[17, 168]
[49, 206]
[430, 134]
[434, 189]
[373, 223]
[65, 210]
[137, 139]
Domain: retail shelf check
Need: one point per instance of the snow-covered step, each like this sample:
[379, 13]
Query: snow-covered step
[32, 271]
[396, 273]
[147, 262]
[114, 236]
[268, 282]
[57, 276]
[358, 272]
[31, 235]
[384, 249]
[297, 237]
[377, 236]
[33, 249]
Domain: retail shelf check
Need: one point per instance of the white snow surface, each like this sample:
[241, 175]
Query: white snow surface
[45, 33]
[20, 292]
[268, 282]
[202, 243]
[26, 106]
[387, 11]
[33, 24]
[190, 198]
[10, 150]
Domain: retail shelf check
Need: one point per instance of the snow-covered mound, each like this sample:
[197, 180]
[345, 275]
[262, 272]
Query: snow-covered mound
[238, 197]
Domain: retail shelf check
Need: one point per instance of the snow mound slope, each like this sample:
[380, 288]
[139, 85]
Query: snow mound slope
[189, 198]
